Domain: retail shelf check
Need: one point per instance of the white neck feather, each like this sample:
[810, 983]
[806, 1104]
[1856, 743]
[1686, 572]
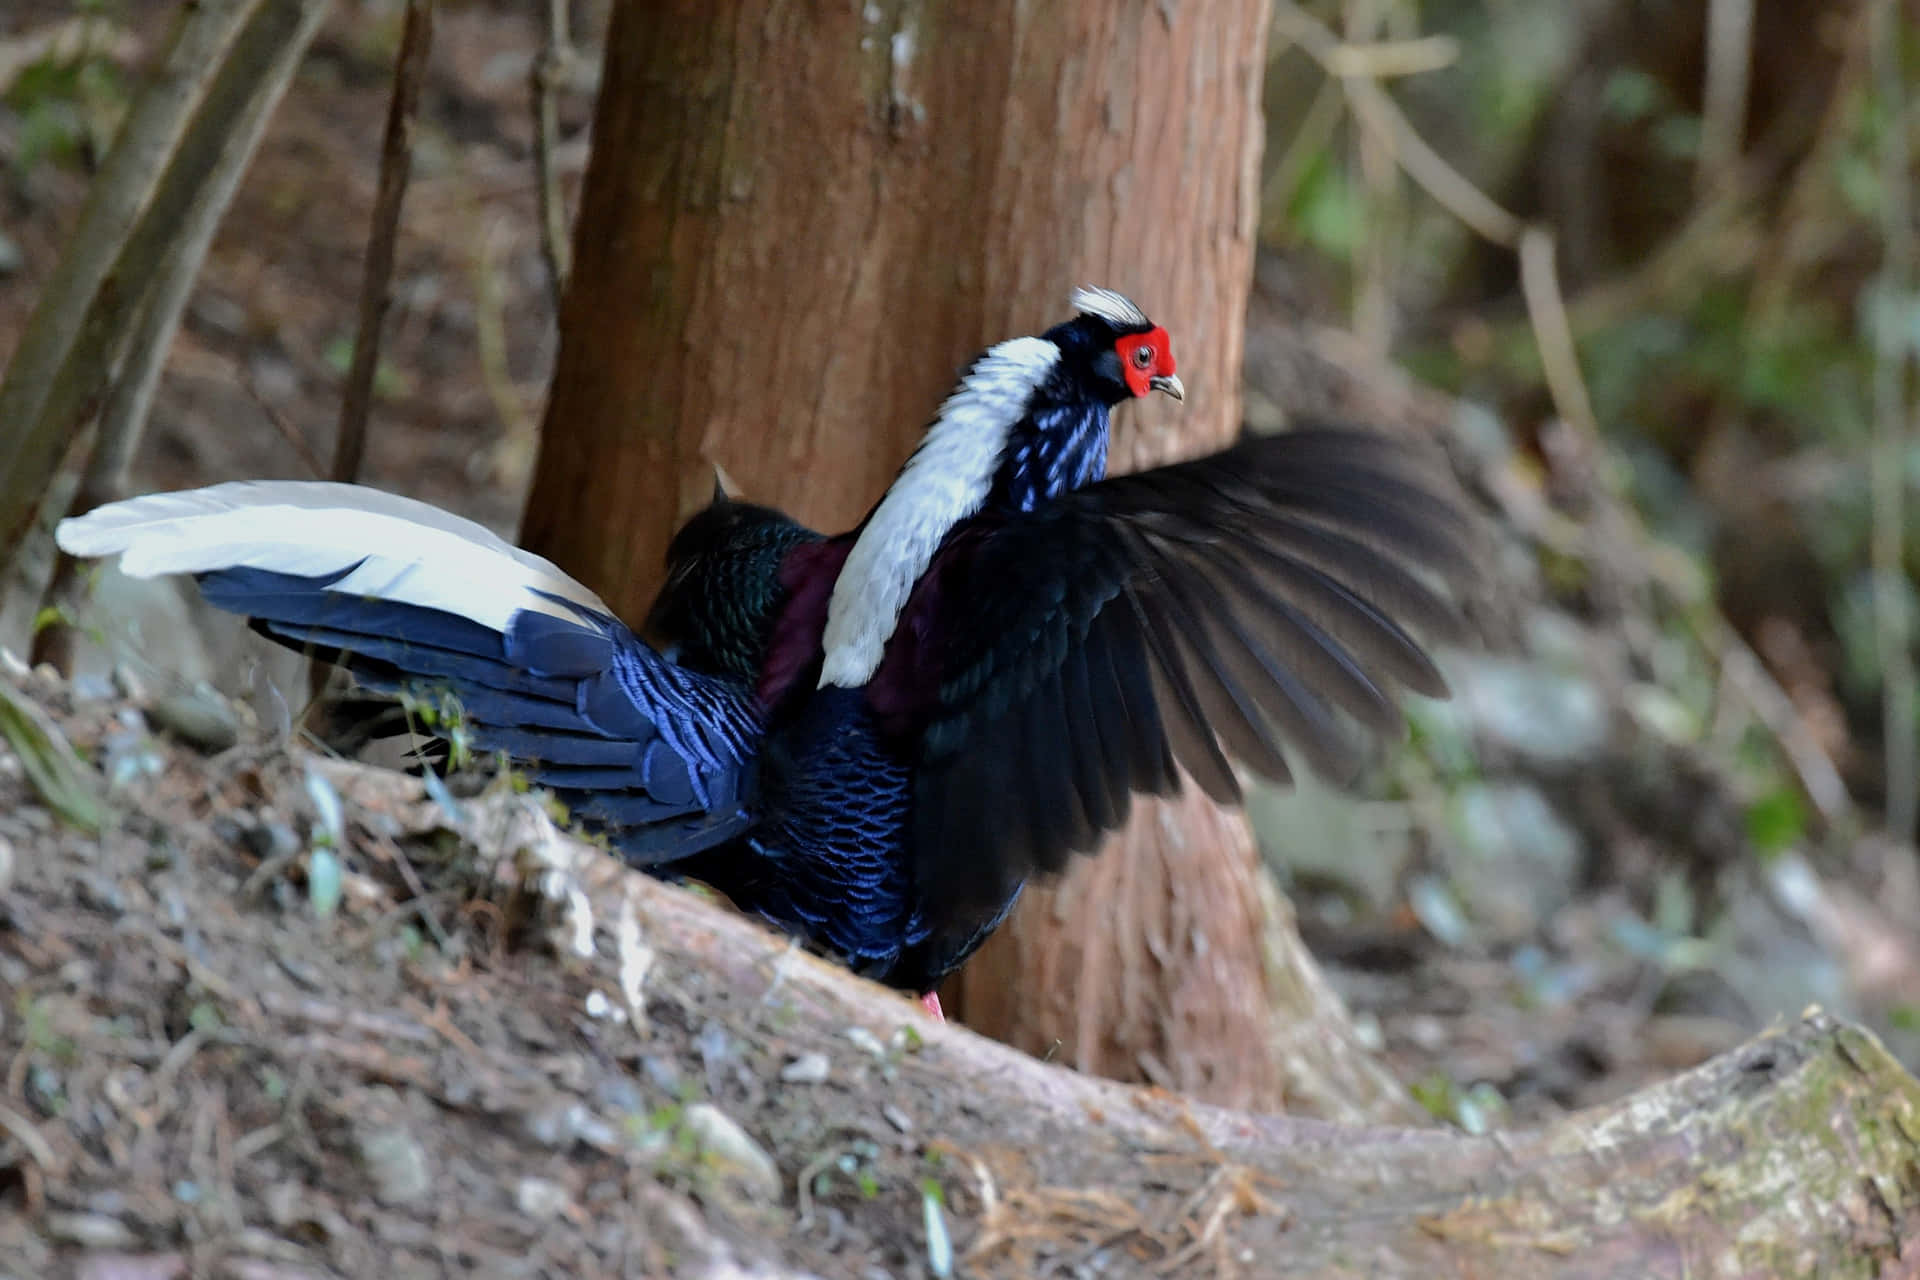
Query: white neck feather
[945, 481]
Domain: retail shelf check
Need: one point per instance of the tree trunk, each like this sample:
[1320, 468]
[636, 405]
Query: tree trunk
[795, 228]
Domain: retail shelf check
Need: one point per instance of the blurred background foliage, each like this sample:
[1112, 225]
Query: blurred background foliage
[1714, 559]
[1724, 263]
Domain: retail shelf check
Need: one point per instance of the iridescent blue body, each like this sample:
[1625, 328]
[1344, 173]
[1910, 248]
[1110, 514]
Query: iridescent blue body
[830, 863]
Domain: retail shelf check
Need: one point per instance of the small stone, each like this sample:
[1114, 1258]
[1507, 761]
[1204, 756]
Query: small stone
[897, 1118]
[808, 1068]
[6, 864]
[566, 1121]
[1513, 859]
[866, 1040]
[90, 686]
[99, 893]
[285, 1203]
[722, 1140]
[1427, 1031]
[540, 1198]
[715, 1045]
[397, 1163]
[132, 685]
[1550, 719]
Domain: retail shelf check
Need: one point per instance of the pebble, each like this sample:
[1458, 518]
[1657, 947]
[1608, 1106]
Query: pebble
[395, 1161]
[91, 687]
[808, 1068]
[99, 893]
[7, 863]
[865, 1039]
[540, 1198]
[722, 1139]
[199, 717]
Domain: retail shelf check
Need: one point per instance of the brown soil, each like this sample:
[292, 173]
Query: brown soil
[204, 1076]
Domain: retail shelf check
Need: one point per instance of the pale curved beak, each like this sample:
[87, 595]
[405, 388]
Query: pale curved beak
[1169, 383]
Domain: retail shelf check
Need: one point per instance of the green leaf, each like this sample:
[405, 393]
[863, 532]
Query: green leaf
[1777, 820]
[64, 781]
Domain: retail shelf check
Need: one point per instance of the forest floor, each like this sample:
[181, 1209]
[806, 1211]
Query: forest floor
[209, 1073]
[202, 1057]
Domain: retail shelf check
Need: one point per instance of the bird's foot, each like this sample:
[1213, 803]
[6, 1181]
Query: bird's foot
[931, 1003]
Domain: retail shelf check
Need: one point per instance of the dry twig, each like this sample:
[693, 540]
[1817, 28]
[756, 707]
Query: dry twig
[549, 69]
[396, 163]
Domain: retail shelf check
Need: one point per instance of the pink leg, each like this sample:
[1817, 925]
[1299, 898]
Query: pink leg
[931, 1003]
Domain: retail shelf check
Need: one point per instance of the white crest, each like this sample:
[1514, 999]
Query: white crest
[945, 481]
[1115, 308]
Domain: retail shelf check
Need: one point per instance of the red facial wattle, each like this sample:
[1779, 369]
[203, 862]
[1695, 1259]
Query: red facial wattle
[1144, 357]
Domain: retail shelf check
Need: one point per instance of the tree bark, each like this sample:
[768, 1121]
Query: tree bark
[795, 228]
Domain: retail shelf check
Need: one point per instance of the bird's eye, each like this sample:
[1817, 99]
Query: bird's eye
[1143, 357]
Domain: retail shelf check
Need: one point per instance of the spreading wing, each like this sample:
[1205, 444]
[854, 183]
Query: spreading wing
[414, 600]
[1174, 620]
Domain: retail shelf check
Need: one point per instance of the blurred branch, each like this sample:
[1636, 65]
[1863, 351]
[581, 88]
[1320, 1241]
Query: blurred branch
[1377, 262]
[51, 377]
[1553, 332]
[243, 374]
[1745, 675]
[549, 69]
[130, 397]
[1390, 58]
[1378, 112]
[396, 163]
[1895, 292]
[1723, 115]
[1383, 120]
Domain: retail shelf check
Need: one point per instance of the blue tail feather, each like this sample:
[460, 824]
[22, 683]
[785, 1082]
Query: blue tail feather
[555, 747]
[305, 602]
[659, 756]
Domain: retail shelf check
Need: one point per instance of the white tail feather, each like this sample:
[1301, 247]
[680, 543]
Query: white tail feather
[407, 551]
